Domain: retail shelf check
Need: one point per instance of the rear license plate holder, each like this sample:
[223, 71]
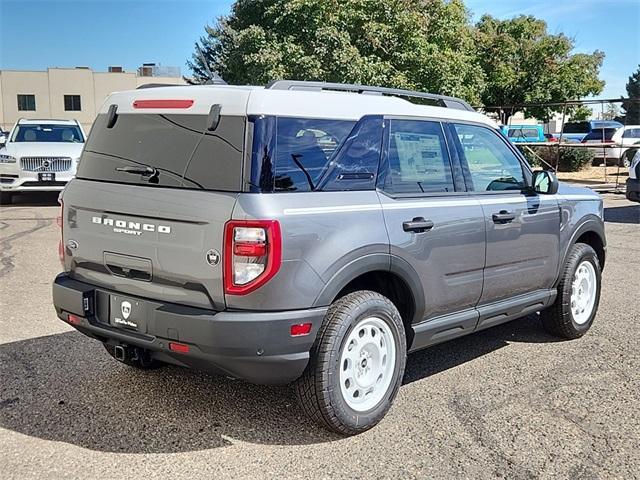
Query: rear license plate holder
[127, 313]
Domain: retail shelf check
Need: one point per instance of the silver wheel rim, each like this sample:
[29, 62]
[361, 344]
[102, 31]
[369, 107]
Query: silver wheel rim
[367, 363]
[583, 292]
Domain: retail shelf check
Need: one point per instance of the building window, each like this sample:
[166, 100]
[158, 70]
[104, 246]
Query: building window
[26, 103]
[72, 103]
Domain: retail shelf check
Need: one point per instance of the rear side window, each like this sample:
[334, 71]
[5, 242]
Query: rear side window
[523, 133]
[292, 154]
[576, 127]
[417, 159]
[179, 147]
[601, 134]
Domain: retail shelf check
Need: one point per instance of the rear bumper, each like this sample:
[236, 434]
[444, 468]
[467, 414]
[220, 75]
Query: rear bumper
[253, 346]
[633, 189]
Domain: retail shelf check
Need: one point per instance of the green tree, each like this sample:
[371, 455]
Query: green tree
[523, 63]
[581, 113]
[426, 45]
[631, 107]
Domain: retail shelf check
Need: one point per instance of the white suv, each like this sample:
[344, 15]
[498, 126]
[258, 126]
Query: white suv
[39, 155]
[623, 138]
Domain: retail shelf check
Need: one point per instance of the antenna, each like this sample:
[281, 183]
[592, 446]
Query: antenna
[214, 78]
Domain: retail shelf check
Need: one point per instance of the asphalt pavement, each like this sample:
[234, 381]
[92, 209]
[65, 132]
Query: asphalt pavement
[508, 402]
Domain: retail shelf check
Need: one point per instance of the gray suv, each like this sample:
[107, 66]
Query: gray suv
[314, 233]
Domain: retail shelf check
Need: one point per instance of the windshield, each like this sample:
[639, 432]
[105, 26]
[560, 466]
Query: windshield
[44, 132]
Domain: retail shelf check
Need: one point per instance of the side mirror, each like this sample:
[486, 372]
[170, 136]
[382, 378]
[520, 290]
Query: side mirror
[545, 182]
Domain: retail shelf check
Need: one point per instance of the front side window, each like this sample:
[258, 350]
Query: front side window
[26, 103]
[48, 133]
[492, 164]
[72, 103]
[417, 159]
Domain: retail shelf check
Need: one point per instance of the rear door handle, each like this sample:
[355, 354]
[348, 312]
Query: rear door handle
[503, 217]
[417, 225]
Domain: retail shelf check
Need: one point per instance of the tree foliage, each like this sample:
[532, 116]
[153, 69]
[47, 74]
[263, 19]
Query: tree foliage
[428, 45]
[631, 107]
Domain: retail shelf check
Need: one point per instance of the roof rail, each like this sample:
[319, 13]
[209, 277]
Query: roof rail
[439, 100]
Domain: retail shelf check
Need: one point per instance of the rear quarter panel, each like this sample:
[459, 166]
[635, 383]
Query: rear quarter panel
[322, 232]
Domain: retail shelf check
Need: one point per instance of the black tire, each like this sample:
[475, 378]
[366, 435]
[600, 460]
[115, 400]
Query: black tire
[318, 389]
[6, 198]
[558, 319]
[136, 358]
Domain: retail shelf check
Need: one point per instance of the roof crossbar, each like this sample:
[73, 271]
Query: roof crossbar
[440, 100]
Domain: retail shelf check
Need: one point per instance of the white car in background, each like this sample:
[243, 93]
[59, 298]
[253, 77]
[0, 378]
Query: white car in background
[39, 155]
[633, 182]
[623, 138]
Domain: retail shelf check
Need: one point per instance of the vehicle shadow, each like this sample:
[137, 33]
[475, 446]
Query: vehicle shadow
[442, 357]
[66, 388]
[626, 214]
[33, 199]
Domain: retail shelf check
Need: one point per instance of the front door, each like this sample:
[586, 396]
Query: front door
[433, 225]
[522, 228]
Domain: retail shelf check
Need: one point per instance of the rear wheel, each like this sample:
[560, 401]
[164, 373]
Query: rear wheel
[133, 357]
[356, 364]
[572, 314]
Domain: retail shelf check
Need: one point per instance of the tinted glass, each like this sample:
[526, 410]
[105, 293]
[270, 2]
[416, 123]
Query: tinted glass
[631, 133]
[601, 134]
[355, 165]
[177, 146]
[26, 102]
[72, 103]
[48, 133]
[303, 148]
[576, 127]
[492, 164]
[417, 160]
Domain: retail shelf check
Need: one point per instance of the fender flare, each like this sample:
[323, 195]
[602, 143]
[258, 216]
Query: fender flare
[591, 224]
[384, 262]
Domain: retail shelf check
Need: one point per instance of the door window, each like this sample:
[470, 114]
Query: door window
[417, 160]
[492, 164]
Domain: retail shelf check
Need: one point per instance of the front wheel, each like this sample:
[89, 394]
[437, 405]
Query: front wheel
[356, 365]
[572, 314]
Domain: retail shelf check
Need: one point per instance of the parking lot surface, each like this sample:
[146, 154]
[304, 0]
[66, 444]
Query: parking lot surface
[509, 402]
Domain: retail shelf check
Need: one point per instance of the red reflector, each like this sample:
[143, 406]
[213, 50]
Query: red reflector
[178, 347]
[74, 319]
[162, 103]
[249, 249]
[300, 329]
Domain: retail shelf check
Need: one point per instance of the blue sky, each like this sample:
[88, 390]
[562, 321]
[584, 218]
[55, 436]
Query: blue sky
[36, 34]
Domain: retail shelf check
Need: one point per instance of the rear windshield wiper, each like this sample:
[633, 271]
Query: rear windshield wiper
[143, 170]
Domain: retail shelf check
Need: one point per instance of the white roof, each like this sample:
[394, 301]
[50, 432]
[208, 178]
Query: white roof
[48, 121]
[248, 100]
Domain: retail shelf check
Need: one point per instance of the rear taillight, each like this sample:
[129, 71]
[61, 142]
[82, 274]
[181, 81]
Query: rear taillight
[60, 222]
[252, 254]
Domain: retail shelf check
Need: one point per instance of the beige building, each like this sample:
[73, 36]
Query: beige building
[70, 93]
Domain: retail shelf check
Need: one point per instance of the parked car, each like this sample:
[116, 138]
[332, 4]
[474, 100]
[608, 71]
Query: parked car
[524, 133]
[623, 138]
[633, 182]
[207, 227]
[576, 131]
[39, 155]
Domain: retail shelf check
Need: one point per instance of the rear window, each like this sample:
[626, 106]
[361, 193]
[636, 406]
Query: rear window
[601, 134]
[48, 133]
[180, 149]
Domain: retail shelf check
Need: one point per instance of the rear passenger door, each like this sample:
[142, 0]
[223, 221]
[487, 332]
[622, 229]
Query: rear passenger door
[522, 227]
[433, 225]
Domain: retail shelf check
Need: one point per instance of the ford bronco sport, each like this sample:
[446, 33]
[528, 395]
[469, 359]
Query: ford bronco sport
[314, 233]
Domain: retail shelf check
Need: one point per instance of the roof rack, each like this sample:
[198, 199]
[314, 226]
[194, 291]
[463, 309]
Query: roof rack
[439, 100]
